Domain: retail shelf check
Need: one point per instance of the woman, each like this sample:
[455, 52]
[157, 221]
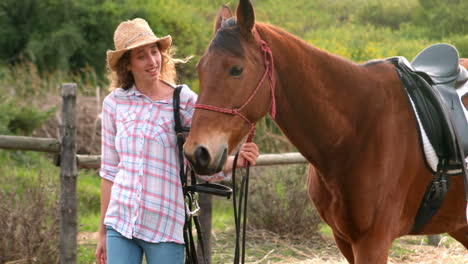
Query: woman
[142, 205]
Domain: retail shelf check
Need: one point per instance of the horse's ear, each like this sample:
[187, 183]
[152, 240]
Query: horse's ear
[245, 17]
[223, 13]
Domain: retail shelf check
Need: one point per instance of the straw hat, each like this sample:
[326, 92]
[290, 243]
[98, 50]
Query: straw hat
[132, 34]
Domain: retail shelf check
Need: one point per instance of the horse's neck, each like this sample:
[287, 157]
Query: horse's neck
[324, 102]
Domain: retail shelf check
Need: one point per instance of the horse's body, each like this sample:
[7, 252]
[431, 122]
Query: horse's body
[352, 122]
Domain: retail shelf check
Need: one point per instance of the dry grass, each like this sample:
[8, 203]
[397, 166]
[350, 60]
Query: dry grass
[28, 222]
[268, 248]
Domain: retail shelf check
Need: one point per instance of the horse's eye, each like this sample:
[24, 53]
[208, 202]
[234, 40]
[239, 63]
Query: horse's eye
[235, 71]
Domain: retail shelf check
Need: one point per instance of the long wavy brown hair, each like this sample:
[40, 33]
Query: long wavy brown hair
[123, 78]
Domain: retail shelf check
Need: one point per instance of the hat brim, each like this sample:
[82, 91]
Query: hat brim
[113, 56]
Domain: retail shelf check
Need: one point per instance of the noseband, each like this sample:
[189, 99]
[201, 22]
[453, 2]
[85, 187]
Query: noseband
[269, 71]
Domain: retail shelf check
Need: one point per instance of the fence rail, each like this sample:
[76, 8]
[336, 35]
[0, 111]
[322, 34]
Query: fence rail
[94, 161]
[30, 143]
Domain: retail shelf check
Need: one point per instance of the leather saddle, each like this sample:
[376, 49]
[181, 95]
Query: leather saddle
[433, 81]
[441, 63]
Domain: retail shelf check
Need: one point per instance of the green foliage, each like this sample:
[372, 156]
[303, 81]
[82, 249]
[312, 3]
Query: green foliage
[443, 18]
[387, 13]
[65, 35]
[71, 36]
[21, 119]
[18, 19]
[461, 43]
[361, 43]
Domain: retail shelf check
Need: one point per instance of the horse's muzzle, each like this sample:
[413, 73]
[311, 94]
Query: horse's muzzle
[204, 162]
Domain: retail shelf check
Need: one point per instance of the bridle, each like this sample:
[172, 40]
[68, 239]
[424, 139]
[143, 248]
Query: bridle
[238, 210]
[269, 71]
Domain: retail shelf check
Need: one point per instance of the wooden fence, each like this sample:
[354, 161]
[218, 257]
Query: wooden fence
[69, 162]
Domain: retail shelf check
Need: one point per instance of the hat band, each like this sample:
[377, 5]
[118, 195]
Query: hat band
[135, 37]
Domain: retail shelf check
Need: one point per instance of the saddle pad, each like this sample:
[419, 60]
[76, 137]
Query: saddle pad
[429, 152]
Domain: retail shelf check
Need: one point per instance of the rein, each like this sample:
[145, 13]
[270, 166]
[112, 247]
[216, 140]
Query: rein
[269, 71]
[240, 207]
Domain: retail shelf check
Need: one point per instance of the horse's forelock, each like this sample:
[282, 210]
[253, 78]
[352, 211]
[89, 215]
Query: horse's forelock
[229, 23]
[228, 38]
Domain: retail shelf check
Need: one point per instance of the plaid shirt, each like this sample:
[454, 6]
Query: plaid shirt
[139, 155]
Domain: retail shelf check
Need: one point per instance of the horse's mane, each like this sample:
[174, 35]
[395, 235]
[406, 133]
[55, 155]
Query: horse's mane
[321, 60]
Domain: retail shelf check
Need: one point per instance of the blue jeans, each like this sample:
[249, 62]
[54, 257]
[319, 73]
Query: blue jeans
[121, 250]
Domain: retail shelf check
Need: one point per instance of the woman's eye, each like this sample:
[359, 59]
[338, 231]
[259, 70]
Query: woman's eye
[235, 71]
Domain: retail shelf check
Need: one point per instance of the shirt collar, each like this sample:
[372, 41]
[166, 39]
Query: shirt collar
[134, 91]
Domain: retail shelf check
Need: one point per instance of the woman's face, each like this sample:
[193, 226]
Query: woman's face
[145, 63]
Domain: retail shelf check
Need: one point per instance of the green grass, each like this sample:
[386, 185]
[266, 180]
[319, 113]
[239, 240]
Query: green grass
[223, 216]
[325, 230]
[85, 254]
[89, 193]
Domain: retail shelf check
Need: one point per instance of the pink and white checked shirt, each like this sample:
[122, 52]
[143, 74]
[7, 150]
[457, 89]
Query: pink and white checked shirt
[139, 154]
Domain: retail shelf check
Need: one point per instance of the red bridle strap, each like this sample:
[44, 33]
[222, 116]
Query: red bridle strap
[269, 71]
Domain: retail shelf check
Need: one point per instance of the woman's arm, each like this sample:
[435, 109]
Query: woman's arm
[106, 187]
[109, 168]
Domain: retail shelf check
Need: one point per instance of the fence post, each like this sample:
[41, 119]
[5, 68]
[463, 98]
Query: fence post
[68, 175]
[206, 206]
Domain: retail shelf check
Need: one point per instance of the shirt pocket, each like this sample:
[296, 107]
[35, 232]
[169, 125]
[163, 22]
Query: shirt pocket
[165, 133]
[126, 124]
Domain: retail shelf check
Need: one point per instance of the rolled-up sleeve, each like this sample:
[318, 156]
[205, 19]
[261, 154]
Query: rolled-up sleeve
[109, 156]
[188, 100]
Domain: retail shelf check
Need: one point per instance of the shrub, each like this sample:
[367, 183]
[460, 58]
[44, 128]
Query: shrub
[442, 18]
[21, 120]
[278, 202]
[387, 13]
[29, 221]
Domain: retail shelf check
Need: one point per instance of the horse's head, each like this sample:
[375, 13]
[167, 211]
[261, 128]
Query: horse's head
[235, 89]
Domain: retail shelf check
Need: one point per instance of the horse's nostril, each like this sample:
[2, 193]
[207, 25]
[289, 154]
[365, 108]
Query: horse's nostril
[202, 157]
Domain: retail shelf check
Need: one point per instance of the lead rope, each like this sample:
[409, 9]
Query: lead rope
[238, 214]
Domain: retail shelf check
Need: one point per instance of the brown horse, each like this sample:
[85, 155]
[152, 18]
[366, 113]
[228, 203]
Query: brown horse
[352, 122]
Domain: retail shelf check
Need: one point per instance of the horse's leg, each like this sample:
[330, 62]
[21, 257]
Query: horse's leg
[461, 235]
[345, 248]
[371, 250]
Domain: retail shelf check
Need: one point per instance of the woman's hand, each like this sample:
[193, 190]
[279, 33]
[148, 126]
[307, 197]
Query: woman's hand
[248, 152]
[100, 253]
